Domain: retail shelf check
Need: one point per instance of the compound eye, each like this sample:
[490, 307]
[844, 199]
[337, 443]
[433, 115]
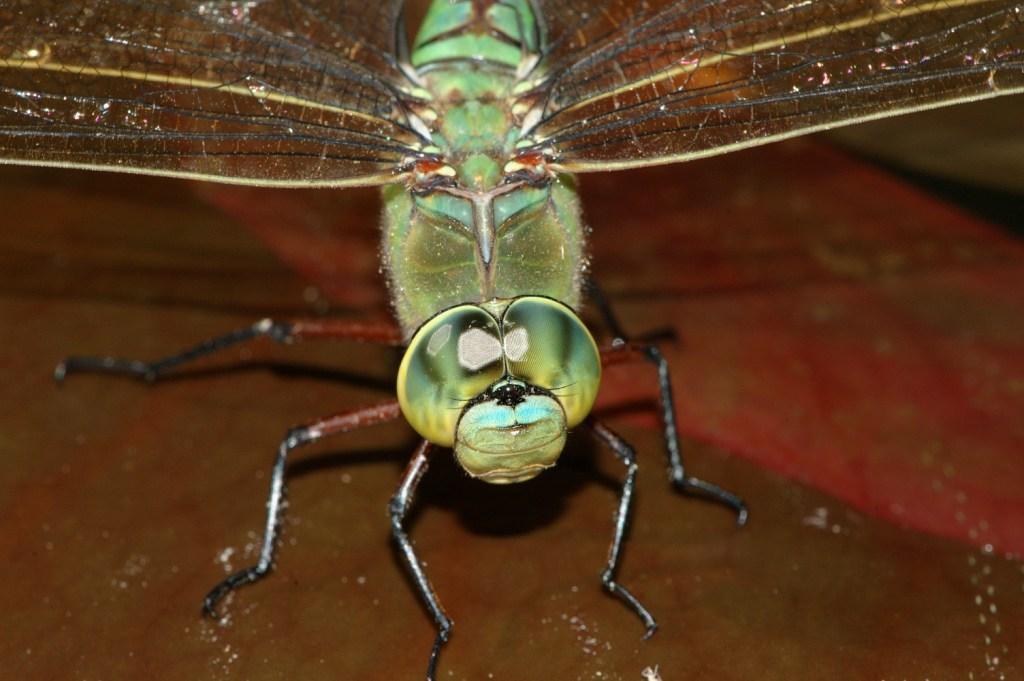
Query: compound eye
[453, 358]
[547, 345]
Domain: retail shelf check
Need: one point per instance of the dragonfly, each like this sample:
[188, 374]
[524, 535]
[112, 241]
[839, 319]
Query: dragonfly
[474, 129]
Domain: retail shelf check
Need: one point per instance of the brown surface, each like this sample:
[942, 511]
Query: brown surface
[121, 504]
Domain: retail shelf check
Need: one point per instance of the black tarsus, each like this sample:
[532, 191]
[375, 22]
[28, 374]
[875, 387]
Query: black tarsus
[295, 438]
[686, 484]
[398, 507]
[280, 332]
[624, 451]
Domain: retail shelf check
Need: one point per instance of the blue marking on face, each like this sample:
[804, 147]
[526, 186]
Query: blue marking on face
[533, 410]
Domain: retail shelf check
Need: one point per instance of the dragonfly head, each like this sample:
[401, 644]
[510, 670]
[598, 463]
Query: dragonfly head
[501, 384]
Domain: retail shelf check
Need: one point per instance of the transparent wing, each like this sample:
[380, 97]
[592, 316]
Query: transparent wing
[626, 84]
[273, 92]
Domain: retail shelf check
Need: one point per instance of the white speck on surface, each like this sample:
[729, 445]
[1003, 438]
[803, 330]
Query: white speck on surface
[224, 558]
[818, 518]
[650, 674]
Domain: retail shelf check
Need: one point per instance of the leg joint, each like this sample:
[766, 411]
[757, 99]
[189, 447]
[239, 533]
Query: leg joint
[279, 332]
[654, 354]
[444, 628]
[296, 437]
[396, 509]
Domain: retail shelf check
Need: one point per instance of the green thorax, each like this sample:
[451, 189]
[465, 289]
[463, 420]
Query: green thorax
[482, 240]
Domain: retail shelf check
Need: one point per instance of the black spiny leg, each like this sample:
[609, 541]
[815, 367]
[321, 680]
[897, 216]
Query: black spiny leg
[398, 508]
[150, 371]
[281, 332]
[607, 314]
[686, 484]
[296, 437]
[625, 453]
[621, 349]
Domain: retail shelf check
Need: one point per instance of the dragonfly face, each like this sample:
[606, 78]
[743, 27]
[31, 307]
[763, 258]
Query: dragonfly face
[501, 383]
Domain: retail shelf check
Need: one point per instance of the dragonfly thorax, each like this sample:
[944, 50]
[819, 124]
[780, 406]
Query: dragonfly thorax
[454, 245]
[479, 221]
